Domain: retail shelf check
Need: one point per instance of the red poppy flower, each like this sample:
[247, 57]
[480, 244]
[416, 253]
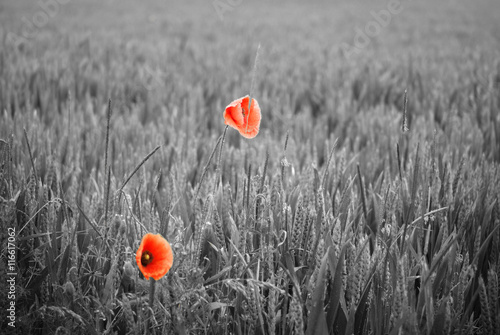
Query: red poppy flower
[154, 256]
[246, 122]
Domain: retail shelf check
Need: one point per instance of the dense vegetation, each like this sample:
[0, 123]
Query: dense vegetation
[342, 216]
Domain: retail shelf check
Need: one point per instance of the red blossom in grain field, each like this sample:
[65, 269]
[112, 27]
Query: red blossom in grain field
[154, 256]
[240, 118]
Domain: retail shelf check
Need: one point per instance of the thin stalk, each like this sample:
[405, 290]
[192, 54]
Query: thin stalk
[106, 199]
[283, 160]
[252, 84]
[31, 155]
[363, 200]
[138, 167]
[219, 168]
[108, 119]
[323, 182]
[152, 282]
[206, 167]
[404, 124]
[107, 172]
[261, 189]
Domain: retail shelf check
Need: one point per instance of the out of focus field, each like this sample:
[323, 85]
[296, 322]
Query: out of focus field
[397, 232]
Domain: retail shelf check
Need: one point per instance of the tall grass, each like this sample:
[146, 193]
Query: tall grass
[333, 220]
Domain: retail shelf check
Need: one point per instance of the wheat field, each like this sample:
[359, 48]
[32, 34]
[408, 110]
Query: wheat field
[368, 203]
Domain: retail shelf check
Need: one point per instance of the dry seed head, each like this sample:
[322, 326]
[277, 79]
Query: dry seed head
[296, 313]
[495, 243]
[226, 205]
[116, 275]
[204, 235]
[457, 177]
[401, 281]
[44, 291]
[243, 240]
[341, 166]
[477, 241]
[272, 311]
[364, 263]
[219, 234]
[254, 187]
[260, 209]
[394, 225]
[336, 236]
[299, 223]
[352, 280]
[251, 296]
[397, 307]
[276, 192]
[493, 297]
[485, 307]
[198, 239]
[207, 208]
[388, 278]
[309, 234]
[444, 227]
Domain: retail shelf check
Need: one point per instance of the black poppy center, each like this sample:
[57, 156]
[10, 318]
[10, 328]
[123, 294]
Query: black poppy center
[146, 258]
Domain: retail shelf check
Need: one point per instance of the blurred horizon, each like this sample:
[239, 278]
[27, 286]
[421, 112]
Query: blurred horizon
[470, 25]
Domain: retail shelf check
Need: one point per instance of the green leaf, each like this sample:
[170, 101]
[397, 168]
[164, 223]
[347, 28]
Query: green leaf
[440, 276]
[362, 311]
[484, 246]
[335, 295]
[216, 305]
[63, 270]
[316, 324]
[397, 326]
[440, 318]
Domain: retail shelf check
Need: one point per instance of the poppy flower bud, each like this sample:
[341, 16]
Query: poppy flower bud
[69, 289]
[128, 269]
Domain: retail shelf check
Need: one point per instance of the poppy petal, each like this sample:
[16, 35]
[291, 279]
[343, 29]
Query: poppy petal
[159, 249]
[237, 116]
[233, 116]
[253, 121]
